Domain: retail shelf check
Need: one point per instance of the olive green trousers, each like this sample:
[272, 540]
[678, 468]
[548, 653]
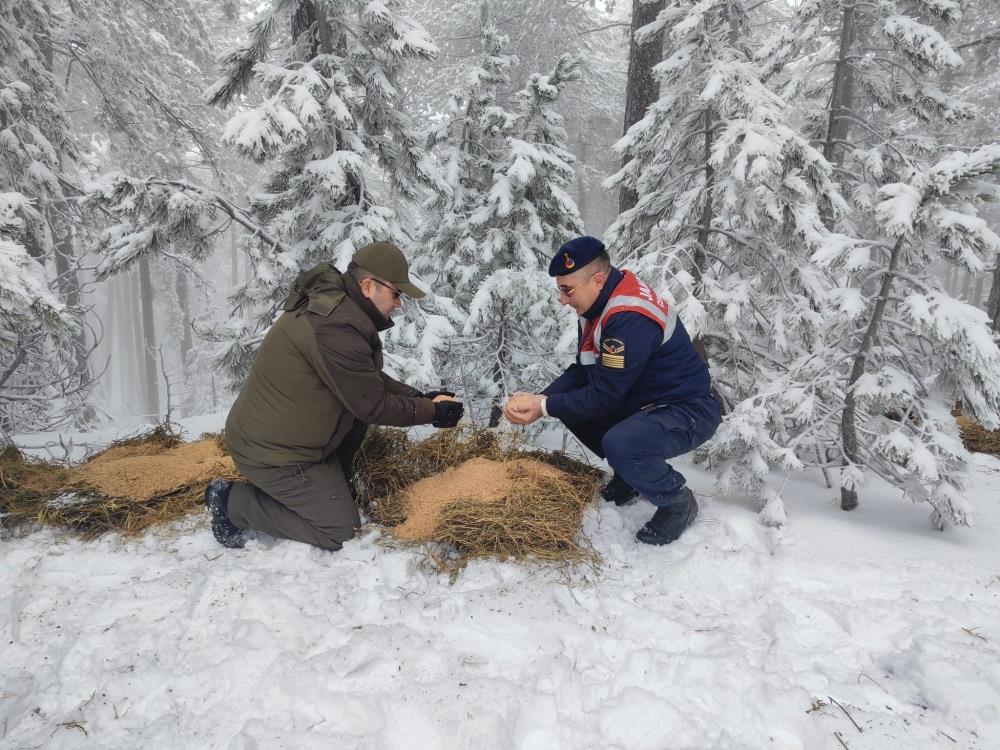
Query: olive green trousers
[309, 503]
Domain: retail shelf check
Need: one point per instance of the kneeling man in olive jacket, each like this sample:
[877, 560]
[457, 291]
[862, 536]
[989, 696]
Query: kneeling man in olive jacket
[315, 385]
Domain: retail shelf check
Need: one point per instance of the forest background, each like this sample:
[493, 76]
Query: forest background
[812, 183]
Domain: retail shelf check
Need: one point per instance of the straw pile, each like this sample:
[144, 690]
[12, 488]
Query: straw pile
[977, 438]
[478, 493]
[134, 484]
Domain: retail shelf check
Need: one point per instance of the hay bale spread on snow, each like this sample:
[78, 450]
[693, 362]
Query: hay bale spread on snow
[477, 491]
[473, 490]
[977, 438]
[132, 485]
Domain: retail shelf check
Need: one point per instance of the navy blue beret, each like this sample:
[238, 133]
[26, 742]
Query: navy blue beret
[575, 254]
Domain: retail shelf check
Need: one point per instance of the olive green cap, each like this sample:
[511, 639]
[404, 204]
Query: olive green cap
[385, 260]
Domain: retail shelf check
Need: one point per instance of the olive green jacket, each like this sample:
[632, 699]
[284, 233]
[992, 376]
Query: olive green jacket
[318, 369]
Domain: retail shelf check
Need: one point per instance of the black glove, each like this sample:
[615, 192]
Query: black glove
[435, 394]
[447, 413]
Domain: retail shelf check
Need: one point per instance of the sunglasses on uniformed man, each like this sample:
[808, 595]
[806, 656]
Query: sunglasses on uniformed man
[568, 291]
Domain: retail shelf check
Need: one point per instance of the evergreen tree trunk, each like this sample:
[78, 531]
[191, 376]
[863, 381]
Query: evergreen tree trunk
[69, 289]
[138, 381]
[841, 98]
[993, 304]
[234, 260]
[977, 290]
[848, 429]
[186, 343]
[109, 322]
[581, 192]
[303, 19]
[967, 286]
[149, 340]
[707, 216]
[641, 88]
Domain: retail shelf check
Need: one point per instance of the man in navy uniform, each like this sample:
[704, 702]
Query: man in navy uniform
[638, 394]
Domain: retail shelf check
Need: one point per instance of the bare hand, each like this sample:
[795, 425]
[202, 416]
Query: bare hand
[523, 408]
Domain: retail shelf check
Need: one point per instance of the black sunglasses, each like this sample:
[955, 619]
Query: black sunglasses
[395, 292]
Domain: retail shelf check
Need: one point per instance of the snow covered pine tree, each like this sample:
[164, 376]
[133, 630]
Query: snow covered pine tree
[505, 213]
[330, 128]
[728, 213]
[40, 383]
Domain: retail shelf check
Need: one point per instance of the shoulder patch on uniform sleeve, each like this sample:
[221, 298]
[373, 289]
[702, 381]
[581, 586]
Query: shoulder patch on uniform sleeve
[613, 353]
[613, 346]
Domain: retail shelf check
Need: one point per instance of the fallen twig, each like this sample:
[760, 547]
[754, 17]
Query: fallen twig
[973, 633]
[864, 675]
[72, 725]
[834, 700]
[841, 740]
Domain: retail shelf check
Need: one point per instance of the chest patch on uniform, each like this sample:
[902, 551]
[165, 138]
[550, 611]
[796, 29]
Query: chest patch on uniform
[613, 353]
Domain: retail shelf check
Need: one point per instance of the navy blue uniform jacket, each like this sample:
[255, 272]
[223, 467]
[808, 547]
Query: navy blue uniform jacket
[655, 371]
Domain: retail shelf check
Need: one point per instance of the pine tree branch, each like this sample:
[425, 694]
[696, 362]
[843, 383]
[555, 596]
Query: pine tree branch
[237, 214]
[615, 25]
[993, 36]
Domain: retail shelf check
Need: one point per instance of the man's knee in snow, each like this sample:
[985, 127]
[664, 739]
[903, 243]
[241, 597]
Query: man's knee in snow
[332, 539]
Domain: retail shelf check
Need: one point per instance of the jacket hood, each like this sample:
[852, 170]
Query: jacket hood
[322, 288]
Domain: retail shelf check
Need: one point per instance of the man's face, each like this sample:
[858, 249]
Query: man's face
[581, 288]
[385, 296]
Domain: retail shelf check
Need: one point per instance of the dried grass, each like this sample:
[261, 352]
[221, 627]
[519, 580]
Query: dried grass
[538, 516]
[136, 483]
[977, 438]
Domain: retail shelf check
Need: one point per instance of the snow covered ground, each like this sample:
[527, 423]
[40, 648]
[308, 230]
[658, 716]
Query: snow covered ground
[861, 630]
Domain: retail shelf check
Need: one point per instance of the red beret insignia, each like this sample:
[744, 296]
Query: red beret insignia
[569, 261]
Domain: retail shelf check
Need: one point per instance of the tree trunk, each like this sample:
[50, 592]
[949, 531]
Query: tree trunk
[65, 257]
[137, 391]
[187, 342]
[152, 377]
[848, 429]
[581, 182]
[69, 289]
[841, 99]
[641, 88]
[977, 290]
[309, 13]
[234, 261]
[993, 304]
[110, 329]
[967, 286]
[302, 20]
[707, 216]
[184, 305]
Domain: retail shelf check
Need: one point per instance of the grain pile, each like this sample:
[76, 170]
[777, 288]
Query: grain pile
[479, 480]
[134, 484]
[478, 493]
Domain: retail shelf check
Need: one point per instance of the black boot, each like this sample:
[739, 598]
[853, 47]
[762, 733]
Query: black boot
[667, 524]
[618, 491]
[217, 501]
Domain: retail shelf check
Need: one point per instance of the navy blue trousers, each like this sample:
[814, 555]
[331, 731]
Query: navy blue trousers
[639, 447]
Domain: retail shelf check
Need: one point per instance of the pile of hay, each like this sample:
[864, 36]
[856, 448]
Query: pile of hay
[478, 492]
[134, 484]
[977, 438]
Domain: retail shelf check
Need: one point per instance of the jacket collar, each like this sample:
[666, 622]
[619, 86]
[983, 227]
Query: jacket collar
[353, 288]
[614, 279]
